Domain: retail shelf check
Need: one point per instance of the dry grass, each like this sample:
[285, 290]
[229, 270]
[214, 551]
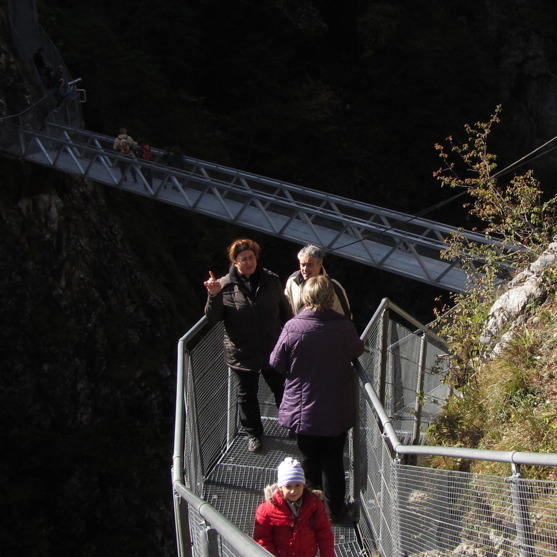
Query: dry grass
[511, 404]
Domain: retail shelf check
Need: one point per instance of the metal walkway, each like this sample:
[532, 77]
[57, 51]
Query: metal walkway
[400, 507]
[385, 239]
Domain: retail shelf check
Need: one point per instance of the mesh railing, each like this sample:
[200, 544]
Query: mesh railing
[455, 512]
[210, 427]
[401, 509]
[401, 364]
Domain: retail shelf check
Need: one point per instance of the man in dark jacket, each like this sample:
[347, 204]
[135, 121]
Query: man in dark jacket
[251, 303]
[315, 351]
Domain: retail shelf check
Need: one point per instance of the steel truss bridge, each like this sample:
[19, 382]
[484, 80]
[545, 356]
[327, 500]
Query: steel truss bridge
[379, 237]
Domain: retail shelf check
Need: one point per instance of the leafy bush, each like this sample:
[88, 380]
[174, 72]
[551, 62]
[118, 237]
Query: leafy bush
[507, 403]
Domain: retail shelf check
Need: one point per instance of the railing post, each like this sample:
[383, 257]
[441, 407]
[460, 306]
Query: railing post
[521, 513]
[419, 391]
[395, 524]
[209, 542]
[383, 362]
[231, 414]
[195, 462]
[355, 452]
[22, 142]
[181, 515]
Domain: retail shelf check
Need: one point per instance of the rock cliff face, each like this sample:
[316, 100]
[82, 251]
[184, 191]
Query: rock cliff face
[510, 311]
[89, 322]
[87, 389]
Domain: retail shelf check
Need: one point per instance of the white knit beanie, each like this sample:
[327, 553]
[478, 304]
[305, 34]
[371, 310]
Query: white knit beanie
[290, 471]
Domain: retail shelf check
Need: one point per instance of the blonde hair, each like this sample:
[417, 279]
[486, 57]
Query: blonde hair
[318, 294]
[240, 245]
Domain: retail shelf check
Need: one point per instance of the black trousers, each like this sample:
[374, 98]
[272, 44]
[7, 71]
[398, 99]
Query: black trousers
[247, 383]
[323, 464]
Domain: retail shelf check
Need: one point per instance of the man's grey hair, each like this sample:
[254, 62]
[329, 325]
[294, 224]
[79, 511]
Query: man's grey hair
[311, 251]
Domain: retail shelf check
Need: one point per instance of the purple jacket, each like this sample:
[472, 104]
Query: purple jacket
[315, 350]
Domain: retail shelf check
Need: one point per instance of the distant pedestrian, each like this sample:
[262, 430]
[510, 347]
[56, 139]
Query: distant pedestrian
[63, 93]
[124, 145]
[175, 158]
[60, 73]
[146, 154]
[38, 60]
[49, 77]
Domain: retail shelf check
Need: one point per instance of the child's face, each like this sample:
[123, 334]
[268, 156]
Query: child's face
[292, 492]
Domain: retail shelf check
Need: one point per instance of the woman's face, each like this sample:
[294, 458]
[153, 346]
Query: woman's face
[246, 263]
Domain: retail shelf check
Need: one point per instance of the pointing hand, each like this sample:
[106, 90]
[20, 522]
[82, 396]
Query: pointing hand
[212, 285]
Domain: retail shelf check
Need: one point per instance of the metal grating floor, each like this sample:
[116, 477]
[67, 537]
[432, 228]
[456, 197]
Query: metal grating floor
[235, 485]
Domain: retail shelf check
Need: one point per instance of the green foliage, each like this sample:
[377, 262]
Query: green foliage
[511, 213]
[461, 327]
[503, 404]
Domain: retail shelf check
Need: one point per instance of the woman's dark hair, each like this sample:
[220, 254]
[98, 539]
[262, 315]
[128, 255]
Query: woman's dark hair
[240, 245]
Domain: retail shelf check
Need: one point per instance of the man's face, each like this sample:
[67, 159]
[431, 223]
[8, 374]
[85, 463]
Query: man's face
[309, 266]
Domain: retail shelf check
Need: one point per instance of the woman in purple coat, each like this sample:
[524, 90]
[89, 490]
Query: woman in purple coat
[315, 350]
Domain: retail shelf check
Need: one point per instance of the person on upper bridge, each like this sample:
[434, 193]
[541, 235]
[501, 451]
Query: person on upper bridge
[124, 145]
[175, 158]
[311, 265]
[251, 303]
[38, 60]
[146, 154]
[63, 93]
[293, 521]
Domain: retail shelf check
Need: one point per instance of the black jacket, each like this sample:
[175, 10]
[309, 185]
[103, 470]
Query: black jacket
[252, 320]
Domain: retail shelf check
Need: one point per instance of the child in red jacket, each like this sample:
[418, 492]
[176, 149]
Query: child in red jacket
[293, 522]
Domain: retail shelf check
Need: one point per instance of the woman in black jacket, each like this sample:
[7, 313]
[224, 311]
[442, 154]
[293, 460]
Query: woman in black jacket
[250, 300]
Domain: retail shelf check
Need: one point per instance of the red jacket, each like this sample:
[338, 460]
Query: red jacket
[285, 535]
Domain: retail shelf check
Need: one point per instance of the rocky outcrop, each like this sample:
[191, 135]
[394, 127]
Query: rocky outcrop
[508, 313]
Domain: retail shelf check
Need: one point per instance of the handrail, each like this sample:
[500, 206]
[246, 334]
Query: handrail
[240, 542]
[511, 457]
[177, 468]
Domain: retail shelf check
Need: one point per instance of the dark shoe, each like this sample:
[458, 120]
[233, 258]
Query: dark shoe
[291, 434]
[338, 517]
[254, 445]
